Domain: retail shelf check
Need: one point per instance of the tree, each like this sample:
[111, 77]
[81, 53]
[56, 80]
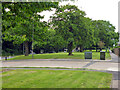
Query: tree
[105, 32]
[22, 21]
[96, 33]
[65, 22]
[85, 35]
[116, 38]
[58, 43]
[101, 45]
[8, 48]
[51, 42]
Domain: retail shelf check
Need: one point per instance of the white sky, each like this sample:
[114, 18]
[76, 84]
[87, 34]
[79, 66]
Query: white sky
[95, 9]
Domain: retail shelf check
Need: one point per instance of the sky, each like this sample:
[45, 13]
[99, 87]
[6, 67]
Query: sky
[95, 9]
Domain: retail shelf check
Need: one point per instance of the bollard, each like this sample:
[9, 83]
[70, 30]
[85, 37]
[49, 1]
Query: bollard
[102, 55]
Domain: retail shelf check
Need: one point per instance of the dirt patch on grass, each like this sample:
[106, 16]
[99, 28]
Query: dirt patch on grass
[5, 70]
[30, 71]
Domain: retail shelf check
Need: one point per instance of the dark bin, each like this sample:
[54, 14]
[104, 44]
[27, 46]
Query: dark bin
[102, 55]
[88, 55]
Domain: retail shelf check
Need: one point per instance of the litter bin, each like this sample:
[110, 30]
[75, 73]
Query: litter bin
[88, 55]
[102, 55]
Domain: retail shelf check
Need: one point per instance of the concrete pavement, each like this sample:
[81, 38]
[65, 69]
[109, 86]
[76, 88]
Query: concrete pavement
[114, 57]
[116, 76]
[102, 65]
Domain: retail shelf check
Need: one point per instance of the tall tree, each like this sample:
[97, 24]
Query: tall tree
[65, 21]
[52, 42]
[105, 32]
[21, 20]
[85, 35]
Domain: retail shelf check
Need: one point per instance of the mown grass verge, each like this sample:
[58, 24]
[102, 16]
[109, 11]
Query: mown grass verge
[61, 55]
[55, 79]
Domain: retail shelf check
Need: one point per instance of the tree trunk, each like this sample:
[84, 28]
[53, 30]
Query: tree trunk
[81, 48]
[96, 47]
[56, 51]
[106, 49]
[26, 48]
[70, 46]
[90, 49]
[70, 53]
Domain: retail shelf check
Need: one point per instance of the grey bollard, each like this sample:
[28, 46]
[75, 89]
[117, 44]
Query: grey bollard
[88, 55]
[102, 55]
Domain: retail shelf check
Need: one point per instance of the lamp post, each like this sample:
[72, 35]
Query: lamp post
[32, 40]
[23, 48]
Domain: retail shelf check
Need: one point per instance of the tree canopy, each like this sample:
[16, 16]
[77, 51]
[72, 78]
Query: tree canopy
[105, 32]
[22, 20]
[73, 26]
[70, 27]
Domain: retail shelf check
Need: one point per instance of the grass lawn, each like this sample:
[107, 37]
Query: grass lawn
[61, 55]
[55, 79]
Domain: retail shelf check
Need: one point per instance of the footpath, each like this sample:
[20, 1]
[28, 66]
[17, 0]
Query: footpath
[116, 75]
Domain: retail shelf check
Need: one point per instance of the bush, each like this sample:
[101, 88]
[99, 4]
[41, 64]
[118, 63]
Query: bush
[11, 53]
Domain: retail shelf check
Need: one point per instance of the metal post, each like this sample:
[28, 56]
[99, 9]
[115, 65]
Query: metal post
[23, 48]
[32, 40]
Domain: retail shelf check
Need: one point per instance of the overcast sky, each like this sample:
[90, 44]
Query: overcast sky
[95, 9]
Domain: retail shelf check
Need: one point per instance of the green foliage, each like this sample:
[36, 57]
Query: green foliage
[71, 28]
[70, 23]
[10, 49]
[58, 43]
[22, 21]
[85, 35]
[116, 47]
[101, 44]
[105, 32]
[51, 42]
